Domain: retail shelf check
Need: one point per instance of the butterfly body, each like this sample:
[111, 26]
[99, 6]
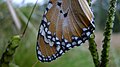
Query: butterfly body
[65, 24]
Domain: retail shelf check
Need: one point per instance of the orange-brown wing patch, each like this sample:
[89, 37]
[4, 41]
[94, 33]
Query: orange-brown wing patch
[45, 52]
[45, 48]
[79, 13]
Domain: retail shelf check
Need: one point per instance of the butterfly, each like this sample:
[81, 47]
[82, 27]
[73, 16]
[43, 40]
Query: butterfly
[65, 24]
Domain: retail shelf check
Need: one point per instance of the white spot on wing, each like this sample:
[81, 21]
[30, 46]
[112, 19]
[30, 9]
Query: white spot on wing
[63, 43]
[76, 38]
[49, 36]
[51, 43]
[73, 43]
[61, 51]
[58, 48]
[45, 19]
[37, 47]
[84, 29]
[39, 52]
[57, 38]
[40, 58]
[49, 5]
[50, 59]
[41, 28]
[68, 45]
[46, 29]
[54, 56]
[79, 42]
[65, 40]
[44, 59]
[53, 39]
[45, 11]
[58, 43]
[45, 39]
[49, 32]
[88, 33]
[48, 23]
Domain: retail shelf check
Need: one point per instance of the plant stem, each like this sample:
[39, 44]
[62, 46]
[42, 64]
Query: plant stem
[93, 50]
[107, 34]
[93, 47]
[7, 56]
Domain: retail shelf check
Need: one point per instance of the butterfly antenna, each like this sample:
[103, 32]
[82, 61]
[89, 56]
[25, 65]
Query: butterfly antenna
[29, 18]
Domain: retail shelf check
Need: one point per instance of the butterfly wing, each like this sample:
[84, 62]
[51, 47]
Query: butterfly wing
[65, 24]
[47, 49]
[45, 52]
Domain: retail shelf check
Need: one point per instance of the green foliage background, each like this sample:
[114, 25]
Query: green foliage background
[25, 55]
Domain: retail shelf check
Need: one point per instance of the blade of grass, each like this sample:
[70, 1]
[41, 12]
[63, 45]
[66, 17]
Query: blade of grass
[29, 18]
[13, 14]
[25, 19]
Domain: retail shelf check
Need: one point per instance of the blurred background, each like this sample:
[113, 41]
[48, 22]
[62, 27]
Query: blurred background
[25, 55]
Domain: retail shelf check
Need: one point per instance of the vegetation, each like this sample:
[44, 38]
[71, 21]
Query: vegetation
[25, 54]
